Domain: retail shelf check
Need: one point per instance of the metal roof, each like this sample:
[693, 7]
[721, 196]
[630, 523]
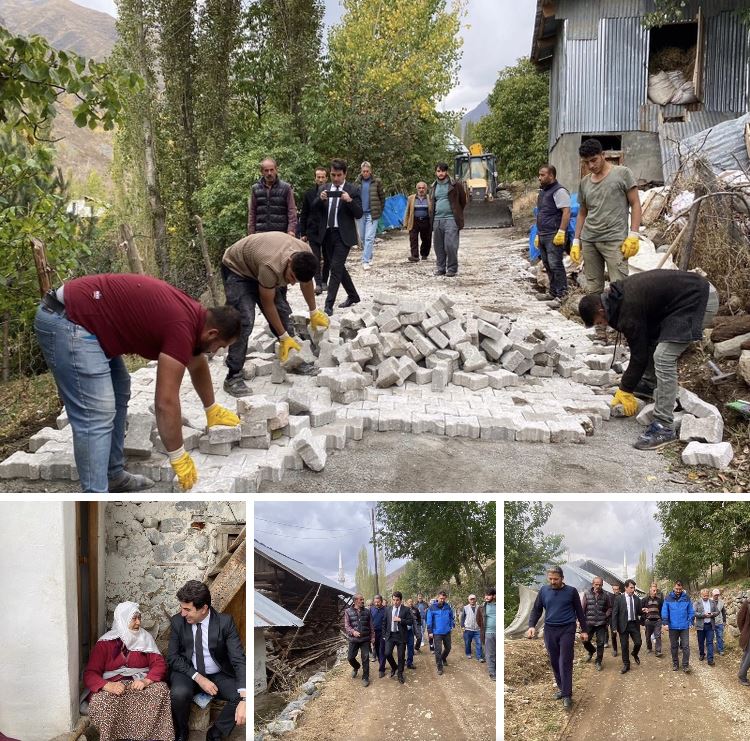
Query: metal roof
[270, 615]
[299, 569]
[597, 569]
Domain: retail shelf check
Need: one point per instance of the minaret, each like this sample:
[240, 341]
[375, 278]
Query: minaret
[625, 565]
[341, 578]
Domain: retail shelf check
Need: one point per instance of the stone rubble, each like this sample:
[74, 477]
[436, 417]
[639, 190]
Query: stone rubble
[392, 365]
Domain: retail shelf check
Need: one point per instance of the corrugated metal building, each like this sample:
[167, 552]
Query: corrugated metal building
[597, 53]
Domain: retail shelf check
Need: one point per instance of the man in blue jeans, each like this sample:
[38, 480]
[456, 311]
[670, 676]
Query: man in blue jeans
[440, 623]
[552, 217]
[87, 325]
[470, 625]
[719, 621]
[373, 200]
[488, 630]
[422, 607]
[562, 606]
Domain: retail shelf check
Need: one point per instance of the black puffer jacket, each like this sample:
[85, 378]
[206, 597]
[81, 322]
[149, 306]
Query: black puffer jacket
[652, 307]
[271, 214]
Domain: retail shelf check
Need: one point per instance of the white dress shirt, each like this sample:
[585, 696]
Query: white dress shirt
[394, 614]
[211, 666]
[631, 607]
[333, 203]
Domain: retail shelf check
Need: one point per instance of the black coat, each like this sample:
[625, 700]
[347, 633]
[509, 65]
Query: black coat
[402, 628]
[347, 213]
[223, 644]
[652, 307]
[311, 223]
[620, 612]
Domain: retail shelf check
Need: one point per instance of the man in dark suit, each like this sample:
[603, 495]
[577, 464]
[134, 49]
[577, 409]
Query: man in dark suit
[312, 228]
[339, 206]
[626, 618]
[398, 618]
[205, 653]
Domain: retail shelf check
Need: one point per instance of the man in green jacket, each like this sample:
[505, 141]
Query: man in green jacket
[373, 200]
[448, 200]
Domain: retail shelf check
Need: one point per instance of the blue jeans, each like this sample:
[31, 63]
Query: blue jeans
[706, 638]
[469, 636]
[719, 631]
[552, 259]
[367, 229]
[95, 391]
[409, 647]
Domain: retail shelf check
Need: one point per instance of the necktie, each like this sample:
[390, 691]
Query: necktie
[332, 213]
[199, 658]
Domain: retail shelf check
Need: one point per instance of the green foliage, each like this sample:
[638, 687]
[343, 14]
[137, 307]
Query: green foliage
[642, 572]
[381, 571]
[415, 578]
[673, 11]
[364, 579]
[516, 129]
[445, 537]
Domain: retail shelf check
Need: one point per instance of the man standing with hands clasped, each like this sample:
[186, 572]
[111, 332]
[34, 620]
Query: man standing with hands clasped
[626, 617]
[398, 618]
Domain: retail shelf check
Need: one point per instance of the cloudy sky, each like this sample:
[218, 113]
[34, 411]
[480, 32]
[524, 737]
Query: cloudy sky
[495, 33]
[603, 531]
[313, 533]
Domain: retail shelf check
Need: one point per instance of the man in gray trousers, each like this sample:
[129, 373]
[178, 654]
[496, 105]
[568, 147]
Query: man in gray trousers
[448, 200]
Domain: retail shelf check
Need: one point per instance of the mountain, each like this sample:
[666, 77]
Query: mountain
[471, 117]
[63, 23]
[87, 32]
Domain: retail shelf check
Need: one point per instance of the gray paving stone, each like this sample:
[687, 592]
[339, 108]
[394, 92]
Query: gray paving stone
[500, 378]
[256, 408]
[138, 435]
[21, 465]
[311, 449]
[473, 381]
[205, 446]
[422, 422]
[388, 373]
[716, 455]
[462, 426]
[495, 348]
[541, 371]
[703, 429]
[566, 430]
[38, 439]
[693, 404]
[533, 432]
[594, 378]
[224, 434]
[500, 428]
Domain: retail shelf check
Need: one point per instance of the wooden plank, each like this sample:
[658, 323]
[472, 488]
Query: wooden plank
[230, 580]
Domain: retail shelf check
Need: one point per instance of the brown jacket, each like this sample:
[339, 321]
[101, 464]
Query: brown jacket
[456, 198]
[743, 623]
[409, 217]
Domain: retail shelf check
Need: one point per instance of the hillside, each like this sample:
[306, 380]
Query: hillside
[471, 117]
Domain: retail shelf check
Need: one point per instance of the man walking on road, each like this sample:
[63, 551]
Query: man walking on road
[651, 605]
[417, 223]
[705, 611]
[719, 621]
[553, 215]
[377, 625]
[415, 629]
[626, 616]
[677, 614]
[470, 624]
[448, 200]
[660, 312]
[561, 606]
[605, 195]
[398, 618]
[440, 623]
[422, 607]
[597, 606]
[373, 200]
[85, 326]
[487, 631]
[359, 634]
[312, 228]
[743, 624]
[612, 629]
[253, 270]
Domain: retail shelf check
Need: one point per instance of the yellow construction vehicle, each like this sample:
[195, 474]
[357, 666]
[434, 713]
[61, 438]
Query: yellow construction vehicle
[486, 206]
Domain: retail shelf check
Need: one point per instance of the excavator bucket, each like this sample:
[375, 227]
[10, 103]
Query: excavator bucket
[486, 206]
[486, 214]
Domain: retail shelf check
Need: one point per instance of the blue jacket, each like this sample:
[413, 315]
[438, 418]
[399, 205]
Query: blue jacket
[377, 616]
[677, 613]
[440, 620]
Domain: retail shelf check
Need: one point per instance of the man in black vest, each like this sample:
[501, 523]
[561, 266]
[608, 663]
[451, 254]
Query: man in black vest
[597, 606]
[360, 636]
[398, 618]
[626, 617]
[553, 215]
[340, 205]
[205, 654]
[660, 312]
[312, 228]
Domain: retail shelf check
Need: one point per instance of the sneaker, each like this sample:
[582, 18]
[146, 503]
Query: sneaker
[482, 661]
[675, 667]
[128, 482]
[590, 656]
[445, 661]
[236, 386]
[701, 658]
[440, 672]
[658, 654]
[686, 669]
[381, 674]
[354, 673]
[545, 297]
[567, 703]
[305, 369]
[656, 436]
[366, 682]
[557, 695]
[451, 275]
[424, 257]
[744, 682]
[644, 391]
[598, 666]
[366, 266]
[711, 663]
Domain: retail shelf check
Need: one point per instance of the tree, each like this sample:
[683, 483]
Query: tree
[364, 579]
[516, 129]
[673, 11]
[446, 537]
[415, 579]
[527, 549]
[381, 587]
[642, 572]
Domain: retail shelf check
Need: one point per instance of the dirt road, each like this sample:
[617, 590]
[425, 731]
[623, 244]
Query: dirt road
[459, 705]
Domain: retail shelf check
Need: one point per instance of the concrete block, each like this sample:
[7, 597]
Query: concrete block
[369, 337]
[594, 405]
[455, 333]
[224, 434]
[311, 449]
[500, 428]
[566, 430]
[743, 366]
[278, 373]
[704, 429]
[342, 354]
[731, 348]
[527, 349]
[594, 378]
[393, 344]
[406, 368]
[253, 429]
[394, 420]
[297, 424]
[388, 373]
[492, 317]
[500, 378]
[21, 465]
[406, 306]
[261, 367]
[489, 330]
[321, 414]
[138, 435]
[62, 420]
[473, 381]
[441, 376]
[412, 319]
[413, 353]
[533, 432]
[716, 455]
[361, 355]
[255, 408]
[347, 397]
[386, 316]
[369, 418]
[525, 366]
[300, 401]
[438, 338]
[423, 376]
[427, 423]
[495, 347]
[541, 371]
[281, 419]
[205, 446]
[62, 435]
[386, 299]
[474, 361]
[618, 411]
[462, 426]
[334, 435]
[693, 404]
[511, 360]
[566, 367]
[598, 362]
[354, 427]
[351, 321]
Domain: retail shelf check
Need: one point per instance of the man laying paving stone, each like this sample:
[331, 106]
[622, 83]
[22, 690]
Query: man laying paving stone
[660, 312]
[254, 269]
[85, 326]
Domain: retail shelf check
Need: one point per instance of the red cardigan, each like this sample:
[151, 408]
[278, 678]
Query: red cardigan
[109, 656]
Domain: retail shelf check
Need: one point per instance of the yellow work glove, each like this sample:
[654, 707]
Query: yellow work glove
[559, 239]
[536, 241]
[630, 246]
[575, 251]
[287, 343]
[627, 400]
[184, 468]
[219, 415]
[318, 320]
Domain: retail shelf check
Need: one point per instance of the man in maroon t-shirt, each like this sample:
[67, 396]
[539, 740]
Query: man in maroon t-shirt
[86, 325]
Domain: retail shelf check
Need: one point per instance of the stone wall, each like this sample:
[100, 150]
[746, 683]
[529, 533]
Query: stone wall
[153, 548]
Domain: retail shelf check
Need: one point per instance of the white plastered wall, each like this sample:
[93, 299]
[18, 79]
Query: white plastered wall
[39, 639]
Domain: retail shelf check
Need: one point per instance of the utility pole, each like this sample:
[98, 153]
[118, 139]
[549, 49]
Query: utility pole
[374, 548]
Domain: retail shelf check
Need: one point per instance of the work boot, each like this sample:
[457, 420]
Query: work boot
[236, 386]
[128, 482]
[655, 436]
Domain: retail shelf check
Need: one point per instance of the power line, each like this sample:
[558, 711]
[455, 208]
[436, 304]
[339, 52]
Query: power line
[292, 537]
[322, 529]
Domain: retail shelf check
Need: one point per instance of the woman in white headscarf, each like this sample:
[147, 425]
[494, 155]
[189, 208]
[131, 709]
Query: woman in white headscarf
[125, 675]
